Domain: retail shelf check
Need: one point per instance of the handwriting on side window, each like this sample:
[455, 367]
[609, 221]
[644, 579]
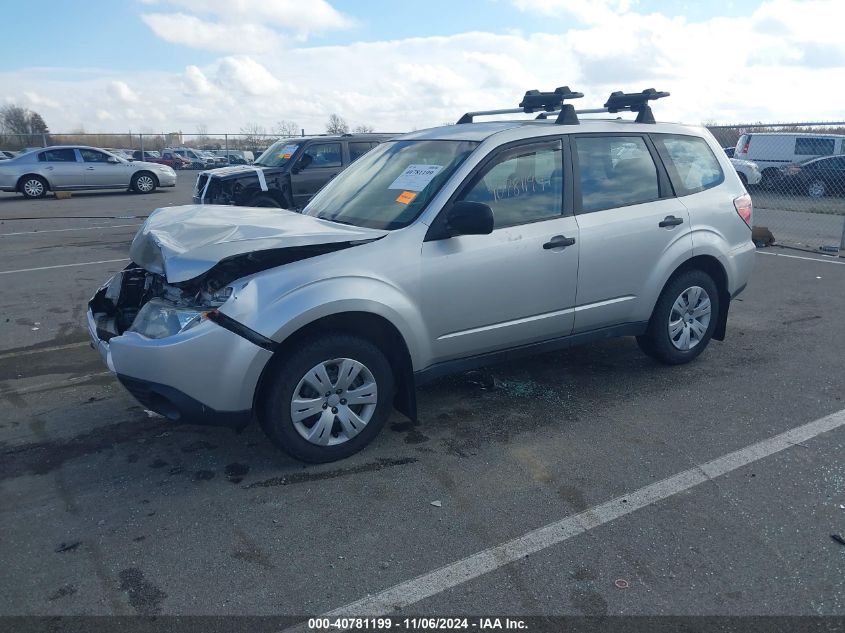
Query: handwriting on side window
[516, 187]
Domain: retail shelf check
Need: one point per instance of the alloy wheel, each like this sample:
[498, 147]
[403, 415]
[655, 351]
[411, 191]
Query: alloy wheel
[689, 318]
[334, 401]
[145, 183]
[34, 188]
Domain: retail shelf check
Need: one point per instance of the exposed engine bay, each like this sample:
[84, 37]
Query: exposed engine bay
[139, 300]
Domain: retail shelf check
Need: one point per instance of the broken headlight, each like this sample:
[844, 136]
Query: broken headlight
[160, 319]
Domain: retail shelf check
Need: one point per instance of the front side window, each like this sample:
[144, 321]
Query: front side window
[615, 171]
[690, 162]
[65, 155]
[93, 156]
[522, 185]
[389, 186]
[324, 155]
[809, 146]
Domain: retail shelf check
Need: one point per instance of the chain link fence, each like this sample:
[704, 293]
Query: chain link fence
[795, 174]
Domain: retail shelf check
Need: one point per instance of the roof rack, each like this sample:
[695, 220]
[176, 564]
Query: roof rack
[552, 104]
[535, 100]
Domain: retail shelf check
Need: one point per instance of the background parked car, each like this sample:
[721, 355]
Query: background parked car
[71, 168]
[6, 154]
[816, 177]
[175, 160]
[293, 170]
[747, 170]
[773, 150]
[194, 157]
[729, 151]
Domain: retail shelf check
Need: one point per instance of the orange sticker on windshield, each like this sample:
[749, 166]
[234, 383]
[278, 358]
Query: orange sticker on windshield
[286, 156]
[406, 196]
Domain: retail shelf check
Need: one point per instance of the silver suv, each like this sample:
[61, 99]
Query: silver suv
[439, 251]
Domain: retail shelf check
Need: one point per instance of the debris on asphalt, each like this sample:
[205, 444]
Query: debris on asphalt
[838, 539]
[67, 547]
[621, 583]
[152, 414]
[437, 504]
[35, 329]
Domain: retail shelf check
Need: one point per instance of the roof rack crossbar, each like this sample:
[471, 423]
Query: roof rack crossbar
[533, 101]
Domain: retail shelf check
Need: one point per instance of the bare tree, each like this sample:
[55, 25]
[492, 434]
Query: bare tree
[29, 126]
[202, 134]
[337, 125]
[363, 129]
[253, 135]
[286, 128]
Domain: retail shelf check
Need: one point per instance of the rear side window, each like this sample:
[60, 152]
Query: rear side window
[58, 156]
[356, 150]
[521, 185]
[327, 155]
[691, 164]
[615, 171]
[809, 146]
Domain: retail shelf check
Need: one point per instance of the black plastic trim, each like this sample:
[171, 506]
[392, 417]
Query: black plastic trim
[445, 368]
[179, 407]
[240, 329]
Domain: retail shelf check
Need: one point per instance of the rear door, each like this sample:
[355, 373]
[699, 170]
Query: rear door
[99, 172]
[326, 163]
[63, 168]
[632, 229]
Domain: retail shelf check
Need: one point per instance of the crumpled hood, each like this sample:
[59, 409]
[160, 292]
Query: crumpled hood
[232, 171]
[184, 242]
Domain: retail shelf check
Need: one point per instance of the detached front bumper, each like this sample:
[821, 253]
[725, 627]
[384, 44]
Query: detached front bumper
[206, 375]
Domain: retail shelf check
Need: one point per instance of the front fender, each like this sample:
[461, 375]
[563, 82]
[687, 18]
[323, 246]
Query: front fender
[280, 317]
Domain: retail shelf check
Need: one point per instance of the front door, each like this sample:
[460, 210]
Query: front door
[326, 163]
[99, 172]
[516, 285]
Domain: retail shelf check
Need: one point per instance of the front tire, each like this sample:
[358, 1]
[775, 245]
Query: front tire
[816, 189]
[263, 201]
[328, 399]
[34, 187]
[144, 182]
[683, 320]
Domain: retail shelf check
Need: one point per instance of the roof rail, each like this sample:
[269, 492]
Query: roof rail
[535, 100]
[620, 101]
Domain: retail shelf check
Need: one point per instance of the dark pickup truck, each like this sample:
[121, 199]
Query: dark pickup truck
[287, 175]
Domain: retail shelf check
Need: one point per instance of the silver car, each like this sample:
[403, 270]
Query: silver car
[73, 168]
[439, 251]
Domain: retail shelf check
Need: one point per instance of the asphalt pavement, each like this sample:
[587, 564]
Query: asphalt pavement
[105, 510]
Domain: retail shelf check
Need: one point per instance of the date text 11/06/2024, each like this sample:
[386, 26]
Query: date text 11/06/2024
[416, 624]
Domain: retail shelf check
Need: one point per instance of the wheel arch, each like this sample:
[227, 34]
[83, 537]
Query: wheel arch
[368, 325]
[145, 171]
[19, 184]
[713, 267]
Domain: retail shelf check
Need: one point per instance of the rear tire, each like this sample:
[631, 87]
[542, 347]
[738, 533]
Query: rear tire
[33, 186]
[683, 320]
[321, 400]
[144, 182]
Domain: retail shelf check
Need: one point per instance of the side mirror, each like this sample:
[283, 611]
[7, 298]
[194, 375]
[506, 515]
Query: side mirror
[469, 218]
[302, 163]
[112, 159]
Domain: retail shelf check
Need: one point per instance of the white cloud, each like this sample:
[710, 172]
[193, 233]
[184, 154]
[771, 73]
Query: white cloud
[243, 26]
[189, 30]
[729, 70]
[588, 11]
[39, 101]
[121, 91]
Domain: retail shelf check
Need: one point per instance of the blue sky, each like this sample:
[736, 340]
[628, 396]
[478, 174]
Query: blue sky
[178, 64]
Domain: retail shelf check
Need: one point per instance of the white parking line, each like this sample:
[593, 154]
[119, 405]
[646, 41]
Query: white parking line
[83, 228]
[811, 259]
[471, 567]
[28, 270]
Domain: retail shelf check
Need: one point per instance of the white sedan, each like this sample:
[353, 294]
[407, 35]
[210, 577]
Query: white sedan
[747, 170]
[73, 168]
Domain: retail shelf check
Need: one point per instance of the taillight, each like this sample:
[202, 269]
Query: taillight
[744, 208]
[744, 149]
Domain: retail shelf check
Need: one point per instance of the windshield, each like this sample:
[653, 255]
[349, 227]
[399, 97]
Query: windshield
[389, 186]
[278, 154]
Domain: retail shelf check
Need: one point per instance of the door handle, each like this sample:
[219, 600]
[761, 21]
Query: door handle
[559, 241]
[89, 169]
[670, 220]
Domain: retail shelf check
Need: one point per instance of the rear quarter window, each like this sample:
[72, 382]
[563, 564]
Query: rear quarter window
[691, 164]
